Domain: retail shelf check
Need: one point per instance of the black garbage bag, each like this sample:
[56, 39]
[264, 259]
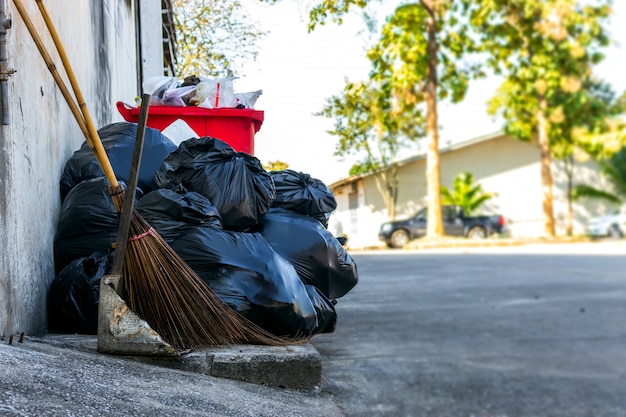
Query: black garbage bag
[74, 293]
[118, 140]
[303, 194]
[325, 310]
[87, 223]
[319, 258]
[235, 182]
[244, 271]
[173, 213]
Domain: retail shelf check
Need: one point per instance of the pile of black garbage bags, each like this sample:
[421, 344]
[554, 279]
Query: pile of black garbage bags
[257, 238]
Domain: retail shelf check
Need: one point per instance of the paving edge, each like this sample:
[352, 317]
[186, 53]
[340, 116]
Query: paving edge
[295, 367]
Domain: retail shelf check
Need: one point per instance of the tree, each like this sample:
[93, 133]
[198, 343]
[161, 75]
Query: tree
[469, 196]
[420, 54]
[213, 36]
[545, 49]
[614, 169]
[367, 123]
[588, 114]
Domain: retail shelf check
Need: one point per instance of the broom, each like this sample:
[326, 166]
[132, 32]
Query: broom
[160, 287]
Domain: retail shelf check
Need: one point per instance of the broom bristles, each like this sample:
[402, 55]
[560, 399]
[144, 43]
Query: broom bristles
[164, 291]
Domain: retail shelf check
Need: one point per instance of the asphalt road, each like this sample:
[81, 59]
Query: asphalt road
[524, 331]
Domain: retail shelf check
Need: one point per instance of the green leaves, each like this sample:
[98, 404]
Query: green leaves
[333, 9]
[614, 169]
[213, 37]
[367, 121]
[275, 165]
[547, 49]
[465, 193]
[401, 55]
[544, 41]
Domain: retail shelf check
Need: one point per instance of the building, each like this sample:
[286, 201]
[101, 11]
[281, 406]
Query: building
[501, 164]
[113, 46]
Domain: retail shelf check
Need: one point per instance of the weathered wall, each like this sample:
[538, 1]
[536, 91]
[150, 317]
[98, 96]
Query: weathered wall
[99, 38]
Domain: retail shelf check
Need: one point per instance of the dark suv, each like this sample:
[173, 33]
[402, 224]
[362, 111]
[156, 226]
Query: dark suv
[398, 233]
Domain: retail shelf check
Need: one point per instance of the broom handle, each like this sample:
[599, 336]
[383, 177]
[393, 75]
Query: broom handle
[97, 147]
[131, 190]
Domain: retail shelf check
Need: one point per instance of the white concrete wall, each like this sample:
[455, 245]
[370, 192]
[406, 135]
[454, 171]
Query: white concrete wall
[99, 38]
[502, 165]
[151, 38]
[361, 224]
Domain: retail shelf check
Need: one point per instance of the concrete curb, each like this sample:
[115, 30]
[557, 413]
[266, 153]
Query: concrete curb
[296, 367]
[444, 243]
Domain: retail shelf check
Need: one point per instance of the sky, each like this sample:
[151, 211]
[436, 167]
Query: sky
[297, 71]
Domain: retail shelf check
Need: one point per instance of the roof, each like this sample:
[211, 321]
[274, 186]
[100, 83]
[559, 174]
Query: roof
[442, 149]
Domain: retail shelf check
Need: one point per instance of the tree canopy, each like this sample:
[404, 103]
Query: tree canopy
[213, 37]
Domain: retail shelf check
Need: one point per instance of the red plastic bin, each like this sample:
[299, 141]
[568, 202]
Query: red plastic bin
[236, 127]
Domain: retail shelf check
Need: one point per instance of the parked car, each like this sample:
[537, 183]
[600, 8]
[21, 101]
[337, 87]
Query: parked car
[397, 234]
[611, 225]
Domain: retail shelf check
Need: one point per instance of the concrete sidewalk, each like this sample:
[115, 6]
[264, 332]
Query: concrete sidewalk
[65, 376]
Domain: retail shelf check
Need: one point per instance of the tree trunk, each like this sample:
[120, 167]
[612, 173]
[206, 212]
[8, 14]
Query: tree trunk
[387, 185]
[434, 227]
[546, 169]
[569, 171]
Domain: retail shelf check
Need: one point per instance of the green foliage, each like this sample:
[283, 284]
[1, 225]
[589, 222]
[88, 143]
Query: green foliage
[367, 123]
[332, 9]
[588, 120]
[360, 168]
[213, 37]
[275, 166]
[402, 58]
[592, 122]
[590, 111]
[614, 170]
[546, 50]
[465, 193]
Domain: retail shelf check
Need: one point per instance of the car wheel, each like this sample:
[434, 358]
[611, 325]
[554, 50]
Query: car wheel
[615, 232]
[399, 238]
[477, 232]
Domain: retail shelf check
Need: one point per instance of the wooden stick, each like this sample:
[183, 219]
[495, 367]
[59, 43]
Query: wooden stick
[126, 211]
